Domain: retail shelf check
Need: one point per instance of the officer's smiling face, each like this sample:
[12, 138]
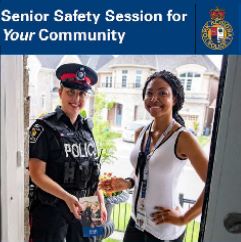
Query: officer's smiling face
[73, 101]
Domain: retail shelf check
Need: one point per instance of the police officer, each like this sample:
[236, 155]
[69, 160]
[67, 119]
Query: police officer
[64, 164]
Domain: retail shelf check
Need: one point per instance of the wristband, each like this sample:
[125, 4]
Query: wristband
[131, 181]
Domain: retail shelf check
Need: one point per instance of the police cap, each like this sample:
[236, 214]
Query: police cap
[76, 76]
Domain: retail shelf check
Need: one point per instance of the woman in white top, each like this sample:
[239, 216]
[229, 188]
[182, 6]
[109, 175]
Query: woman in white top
[158, 158]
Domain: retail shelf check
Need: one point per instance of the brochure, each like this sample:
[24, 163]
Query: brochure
[91, 216]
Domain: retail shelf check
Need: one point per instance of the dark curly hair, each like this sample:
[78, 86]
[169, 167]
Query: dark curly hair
[177, 90]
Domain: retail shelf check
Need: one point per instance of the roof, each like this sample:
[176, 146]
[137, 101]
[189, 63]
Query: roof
[49, 61]
[130, 60]
[172, 62]
[161, 62]
[93, 61]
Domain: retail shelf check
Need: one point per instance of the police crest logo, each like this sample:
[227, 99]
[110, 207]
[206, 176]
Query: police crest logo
[217, 34]
[35, 133]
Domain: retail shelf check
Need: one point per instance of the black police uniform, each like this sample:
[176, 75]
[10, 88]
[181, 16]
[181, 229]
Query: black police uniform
[72, 161]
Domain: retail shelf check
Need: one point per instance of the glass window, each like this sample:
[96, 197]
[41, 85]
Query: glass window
[124, 81]
[138, 79]
[182, 82]
[124, 78]
[183, 75]
[197, 75]
[106, 81]
[110, 83]
[187, 79]
[189, 85]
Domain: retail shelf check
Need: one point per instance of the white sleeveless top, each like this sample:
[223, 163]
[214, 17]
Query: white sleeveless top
[164, 171]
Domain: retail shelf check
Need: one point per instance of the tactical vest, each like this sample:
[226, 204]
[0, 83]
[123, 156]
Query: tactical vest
[77, 168]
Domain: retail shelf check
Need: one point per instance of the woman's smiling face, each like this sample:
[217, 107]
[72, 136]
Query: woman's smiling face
[159, 99]
[72, 100]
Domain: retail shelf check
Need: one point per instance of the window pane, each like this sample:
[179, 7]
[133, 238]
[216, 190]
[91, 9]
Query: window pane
[110, 81]
[182, 81]
[138, 82]
[183, 75]
[124, 81]
[190, 74]
[189, 84]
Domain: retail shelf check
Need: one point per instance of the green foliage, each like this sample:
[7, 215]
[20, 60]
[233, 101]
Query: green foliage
[104, 137]
[203, 140]
[195, 126]
[83, 113]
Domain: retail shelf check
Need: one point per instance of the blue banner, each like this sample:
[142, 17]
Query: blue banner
[120, 27]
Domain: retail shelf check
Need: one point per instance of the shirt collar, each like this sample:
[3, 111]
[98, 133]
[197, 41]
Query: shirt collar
[60, 114]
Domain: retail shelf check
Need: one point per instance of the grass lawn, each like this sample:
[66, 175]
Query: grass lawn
[203, 140]
[121, 214]
[111, 240]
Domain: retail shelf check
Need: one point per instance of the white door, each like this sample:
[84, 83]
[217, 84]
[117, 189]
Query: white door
[12, 141]
[221, 221]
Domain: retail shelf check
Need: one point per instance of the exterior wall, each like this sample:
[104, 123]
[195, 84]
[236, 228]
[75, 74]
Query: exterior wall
[194, 109]
[196, 100]
[12, 149]
[116, 73]
[41, 86]
[129, 96]
[212, 97]
[102, 78]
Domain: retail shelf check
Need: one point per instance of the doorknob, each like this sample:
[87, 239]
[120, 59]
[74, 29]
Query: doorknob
[232, 222]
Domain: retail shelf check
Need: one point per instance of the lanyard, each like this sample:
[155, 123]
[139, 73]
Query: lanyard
[148, 143]
[149, 154]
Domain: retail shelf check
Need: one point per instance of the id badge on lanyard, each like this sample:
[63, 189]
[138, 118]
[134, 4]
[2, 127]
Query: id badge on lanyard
[141, 211]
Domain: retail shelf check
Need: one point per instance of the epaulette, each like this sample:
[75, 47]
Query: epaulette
[47, 116]
[89, 123]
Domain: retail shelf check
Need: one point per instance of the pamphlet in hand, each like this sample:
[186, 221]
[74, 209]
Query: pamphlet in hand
[91, 217]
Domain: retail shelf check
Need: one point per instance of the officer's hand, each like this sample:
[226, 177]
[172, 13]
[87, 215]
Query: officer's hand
[115, 184]
[103, 213]
[74, 205]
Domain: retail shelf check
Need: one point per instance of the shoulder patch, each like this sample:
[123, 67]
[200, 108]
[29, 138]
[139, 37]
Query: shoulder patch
[35, 133]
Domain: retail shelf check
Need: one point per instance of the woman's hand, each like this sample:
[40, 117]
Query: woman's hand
[103, 213]
[165, 215]
[74, 205]
[114, 184]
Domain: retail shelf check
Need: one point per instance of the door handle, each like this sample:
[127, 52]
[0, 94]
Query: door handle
[232, 223]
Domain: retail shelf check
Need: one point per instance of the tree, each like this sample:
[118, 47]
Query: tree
[103, 135]
[195, 126]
